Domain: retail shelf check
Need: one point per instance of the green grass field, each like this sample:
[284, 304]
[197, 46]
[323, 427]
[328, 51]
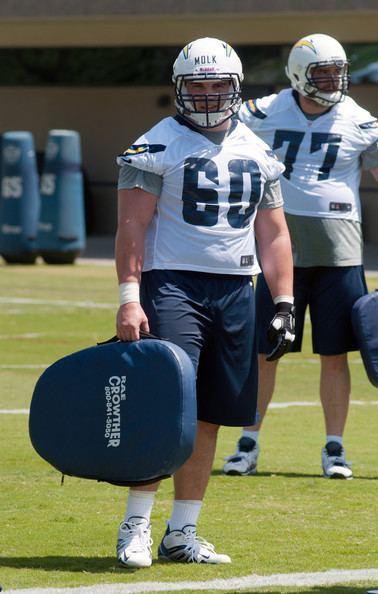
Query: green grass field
[286, 519]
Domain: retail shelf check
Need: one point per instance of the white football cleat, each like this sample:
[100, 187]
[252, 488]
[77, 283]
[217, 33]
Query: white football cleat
[333, 462]
[184, 546]
[244, 461]
[134, 543]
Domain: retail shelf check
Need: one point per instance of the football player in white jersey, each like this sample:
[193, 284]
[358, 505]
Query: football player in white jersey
[194, 192]
[324, 139]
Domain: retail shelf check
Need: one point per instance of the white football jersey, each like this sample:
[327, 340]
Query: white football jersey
[208, 202]
[321, 156]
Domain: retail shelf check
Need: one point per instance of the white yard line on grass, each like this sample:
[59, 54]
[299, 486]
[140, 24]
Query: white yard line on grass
[14, 411]
[279, 405]
[59, 302]
[27, 336]
[310, 403]
[332, 577]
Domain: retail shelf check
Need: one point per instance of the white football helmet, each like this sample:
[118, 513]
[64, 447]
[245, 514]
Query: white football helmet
[207, 59]
[318, 51]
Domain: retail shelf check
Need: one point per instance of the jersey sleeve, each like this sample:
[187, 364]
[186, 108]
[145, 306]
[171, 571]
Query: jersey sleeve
[272, 196]
[366, 123]
[274, 166]
[148, 152]
[254, 111]
[369, 158]
[131, 177]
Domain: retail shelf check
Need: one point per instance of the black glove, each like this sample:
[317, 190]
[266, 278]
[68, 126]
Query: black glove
[281, 330]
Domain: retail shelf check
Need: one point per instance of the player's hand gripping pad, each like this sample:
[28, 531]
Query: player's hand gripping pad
[121, 412]
[365, 325]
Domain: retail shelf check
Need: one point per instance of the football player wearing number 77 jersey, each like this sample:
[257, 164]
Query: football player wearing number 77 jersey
[324, 139]
[194, 193]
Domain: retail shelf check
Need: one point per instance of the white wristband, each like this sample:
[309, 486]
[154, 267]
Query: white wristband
[282, 298]
[129, 292]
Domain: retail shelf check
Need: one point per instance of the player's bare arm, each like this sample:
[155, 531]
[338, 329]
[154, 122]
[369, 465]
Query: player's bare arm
[275, 253]
[135, 210]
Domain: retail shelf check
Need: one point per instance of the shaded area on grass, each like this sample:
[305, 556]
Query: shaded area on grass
[219, 472]
[317, 590]
[62, 563]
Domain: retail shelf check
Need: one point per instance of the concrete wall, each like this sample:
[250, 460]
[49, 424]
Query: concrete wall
[109, 120]
[43, 23]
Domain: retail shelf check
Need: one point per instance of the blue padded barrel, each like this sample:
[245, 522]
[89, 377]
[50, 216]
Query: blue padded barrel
[19, 198]
[61, 234]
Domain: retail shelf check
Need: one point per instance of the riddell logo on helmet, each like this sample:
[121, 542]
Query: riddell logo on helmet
[205, 60]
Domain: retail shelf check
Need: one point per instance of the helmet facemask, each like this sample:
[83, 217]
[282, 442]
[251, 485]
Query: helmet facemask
[208, 110]
[329, 88]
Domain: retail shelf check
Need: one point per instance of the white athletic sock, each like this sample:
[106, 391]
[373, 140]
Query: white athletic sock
[251, 434]
[184, 511]
[337, 438]
[139, 503]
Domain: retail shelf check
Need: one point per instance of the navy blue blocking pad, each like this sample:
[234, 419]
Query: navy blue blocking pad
[365, 326]
[120, 412]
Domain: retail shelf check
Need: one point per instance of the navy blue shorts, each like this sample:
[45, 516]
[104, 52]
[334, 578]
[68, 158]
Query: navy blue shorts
[212, 317]
[330, 293]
